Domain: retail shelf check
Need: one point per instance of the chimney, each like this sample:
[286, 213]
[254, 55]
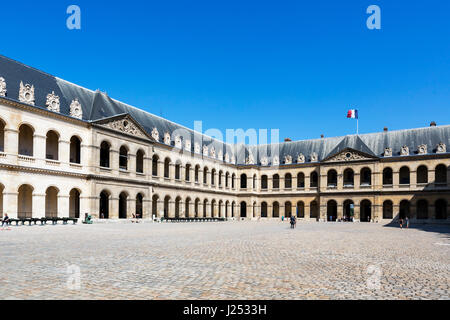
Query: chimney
[433, 124]
[385, 129]
[322, 136]
[287, 140]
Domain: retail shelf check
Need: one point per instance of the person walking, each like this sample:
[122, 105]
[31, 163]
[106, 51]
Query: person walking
[401, 223]
[6, 220]
[407, 222]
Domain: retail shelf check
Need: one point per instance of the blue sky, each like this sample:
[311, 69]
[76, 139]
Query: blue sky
[297, 66]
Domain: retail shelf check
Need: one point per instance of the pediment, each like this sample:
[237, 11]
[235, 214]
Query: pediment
[124, 124]
[348, 155]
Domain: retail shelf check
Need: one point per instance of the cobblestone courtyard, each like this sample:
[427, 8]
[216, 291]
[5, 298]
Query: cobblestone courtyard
[231, 260]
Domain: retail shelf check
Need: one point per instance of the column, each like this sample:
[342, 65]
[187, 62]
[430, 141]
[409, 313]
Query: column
[171, 208]
[10, 205]
[113, 208]
[11, 144]
[38, 204]
[340, 210]
[146, 208]
[63, 206]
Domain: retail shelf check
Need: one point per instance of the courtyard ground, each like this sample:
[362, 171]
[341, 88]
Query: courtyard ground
[229, 260]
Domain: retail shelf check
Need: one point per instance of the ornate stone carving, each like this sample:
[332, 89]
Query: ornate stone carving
[423, 149]
[187, 145]
[2, 87]
[196, 147]
[126, 126]
[167, 139]
[250, 159]
[264, 161]
[213, 152]
[75, 109]
[155, 134]
[288, 159]
[178, 142]
[388, 152]
[347, 156]
[52, 102]
[26, 93]
[314, 157]
[227, 157]
[404, 151]
[275, 161]
[205, 151]
[220, 156]
[301, 158]
[441, 148]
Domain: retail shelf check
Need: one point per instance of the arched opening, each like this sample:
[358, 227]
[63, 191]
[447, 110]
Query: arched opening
[440, 207]
[365, 177]
[288, 181]
[205, 208]
[233, 178]
[387, 177]
[104, 154]
[188, 172]
[155, 160]
[264, 184]
[254, 181]
[243, 181]
[140, 161]
[314, 180]
[178, 207]
[2, 136]
[300, 209]
[287, 209]
[227, 176]
[275, 210]
[349, 210]
[104, 205]
[166, 207]
[213, 177]
[404, 209]
[404, 176]
[314, 210]
[123, 158]
[178, 171]
[25, 202]
[167, 168]
[388, 210]
[52, 145]
[349, 178]
[51, 202]
[422, 209]
[123, 197]
[365, 211]
[74, 203]
[264, 210]
[220, 179]
[155, 200]
[196, 207]
[422, 174]
[220, 209]
[332, 179]
[213, 208]
[331, 210]
[26, 134]
[441, 174]
[300, 180]
[227, 213]
[276, 181]
[233, 204]
[205, 175]
[139, 206]
[75, 150]
[2, 188]
[187, 205]
[197, 171]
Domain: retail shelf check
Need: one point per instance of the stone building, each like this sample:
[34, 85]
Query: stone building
[66, 150]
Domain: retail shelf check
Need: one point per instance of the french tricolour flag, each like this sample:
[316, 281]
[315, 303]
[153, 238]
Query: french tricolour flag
[352, 114]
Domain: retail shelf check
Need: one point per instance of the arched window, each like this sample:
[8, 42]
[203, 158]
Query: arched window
[123, 158]
[139, 205]
[243, 209]
[166, 207]
[254, 181]
[276, 181]
[26, 134]
[404, 176]
[287, 209]
[155, 160]
[366, 177]
[349, 178]
[264, 210]
[2, 136]
[213, 177]
[332, 179]
[197, 172]
[205, 207]
[52, 146]
[104, 205]
[422, 209]
[123, 198]
[227, 176]
[300, 180]
[188, 172]
[74, 203]
[51, 202]
[167, 168]
[140, 161]
[422, 174]
[233, 178]
[75, 150]
[187, 205]
[387, 177]
[441, 174]
[314, 180]
[205, 175]
[243, 181]
[441, 209]
[388, 210]
[177, 207]
[300, 210]
[275, 210]
[177, 171]
[220, 178]
[288, 181]
[104, 154]
[232, 209]
[264, 184]
[196, 207]
[25, 202]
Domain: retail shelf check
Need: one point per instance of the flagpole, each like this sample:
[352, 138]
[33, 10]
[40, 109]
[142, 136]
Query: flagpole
[357, 126]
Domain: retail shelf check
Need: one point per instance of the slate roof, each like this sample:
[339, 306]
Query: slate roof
[97, 105]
